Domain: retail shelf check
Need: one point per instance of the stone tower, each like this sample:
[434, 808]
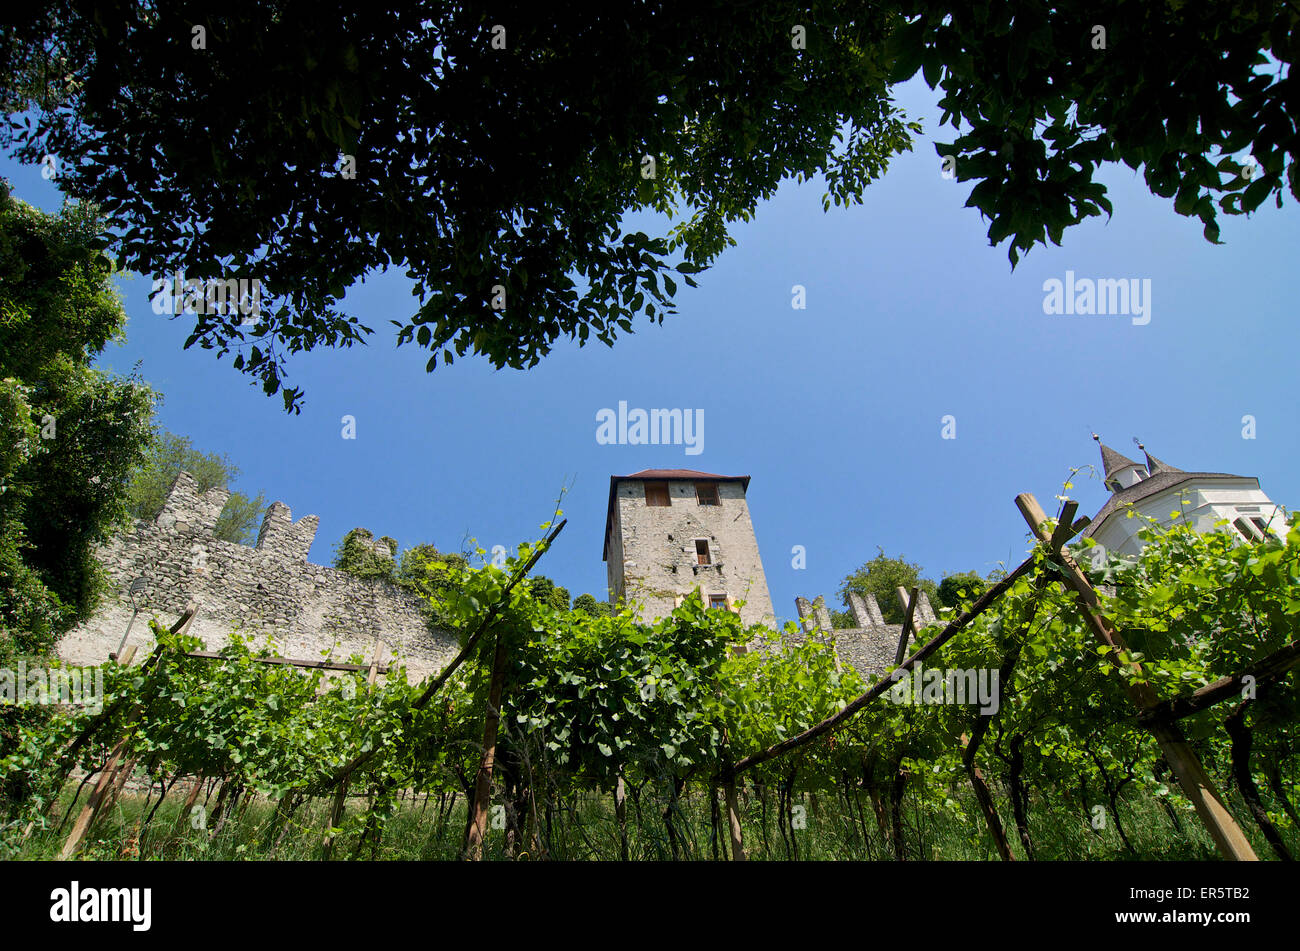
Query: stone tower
[669, 532]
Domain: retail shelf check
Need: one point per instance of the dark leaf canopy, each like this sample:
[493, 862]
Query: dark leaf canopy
[495, 154]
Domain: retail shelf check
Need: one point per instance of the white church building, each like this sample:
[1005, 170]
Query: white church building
[1158, 489]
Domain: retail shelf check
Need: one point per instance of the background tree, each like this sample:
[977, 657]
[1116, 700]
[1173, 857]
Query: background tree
[587, 604]
[358, 554]
[428, 571]
[960, 589]
[881, 577]
[1044, 94]
[546, 591]
[71, 434]
[166, 456]
[433, 575]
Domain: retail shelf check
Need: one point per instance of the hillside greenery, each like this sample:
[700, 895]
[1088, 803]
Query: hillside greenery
[616, 737]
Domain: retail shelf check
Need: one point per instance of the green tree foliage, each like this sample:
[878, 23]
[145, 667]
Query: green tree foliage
[32, 613]
[493, 147]
[432, 575]
[587, 604]
[960, 589]
[241, 519]
[169, 454]
[58, 303]
[421, 569]
[1179, 90]
[882, 576]
[429, 572]
[546, 591]
[71, 434]
[501, 147]
[841, 619]
[358, 554]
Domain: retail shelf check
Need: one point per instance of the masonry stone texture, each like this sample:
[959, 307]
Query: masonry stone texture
[668, 532]
[651, 550]
[268, 590]
[870, 645]
[657, 555]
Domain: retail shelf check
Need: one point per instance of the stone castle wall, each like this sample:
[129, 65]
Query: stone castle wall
[871, 644]
[266, 590]
[309, 611]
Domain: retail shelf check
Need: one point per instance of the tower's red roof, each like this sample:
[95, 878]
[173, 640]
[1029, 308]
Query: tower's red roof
[681, 474]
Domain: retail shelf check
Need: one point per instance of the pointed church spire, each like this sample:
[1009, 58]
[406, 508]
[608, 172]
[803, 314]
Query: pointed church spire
[1112, 462]
[1120, 471]
[1154, 465]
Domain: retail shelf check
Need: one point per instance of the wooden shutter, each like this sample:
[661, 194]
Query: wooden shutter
[707, 493]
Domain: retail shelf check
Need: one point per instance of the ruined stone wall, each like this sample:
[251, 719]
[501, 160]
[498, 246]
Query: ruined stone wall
[871, 644]
[658, 561]
[267, 590]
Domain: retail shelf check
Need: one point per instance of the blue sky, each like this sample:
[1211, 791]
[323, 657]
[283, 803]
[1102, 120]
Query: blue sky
[835, 411]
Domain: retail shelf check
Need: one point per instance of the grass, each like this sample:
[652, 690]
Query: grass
[583, 826]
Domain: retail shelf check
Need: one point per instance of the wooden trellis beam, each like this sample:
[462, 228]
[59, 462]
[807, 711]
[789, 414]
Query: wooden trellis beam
[908, 602]
[1268, 670]
[883, 685]
[294, 662]
[1192, 777]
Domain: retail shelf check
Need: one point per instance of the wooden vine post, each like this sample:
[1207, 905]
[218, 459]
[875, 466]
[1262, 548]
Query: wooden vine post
[985, 799]
[908, 602]
[1192, 777]
[117, 770]
[728, 783]
[341, 794]
[476, 834]
[187, 809]
[733, 821]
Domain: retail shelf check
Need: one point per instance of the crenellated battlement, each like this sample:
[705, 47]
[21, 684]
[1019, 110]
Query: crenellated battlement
[188, 511]
[269, 590]
[280, 534]
[871, 644]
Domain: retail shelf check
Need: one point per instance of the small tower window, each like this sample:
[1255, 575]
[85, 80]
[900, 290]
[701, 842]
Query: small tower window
[717, 601]
[702, 552]
[1264, 530]
[656, 493]
[707, 493]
